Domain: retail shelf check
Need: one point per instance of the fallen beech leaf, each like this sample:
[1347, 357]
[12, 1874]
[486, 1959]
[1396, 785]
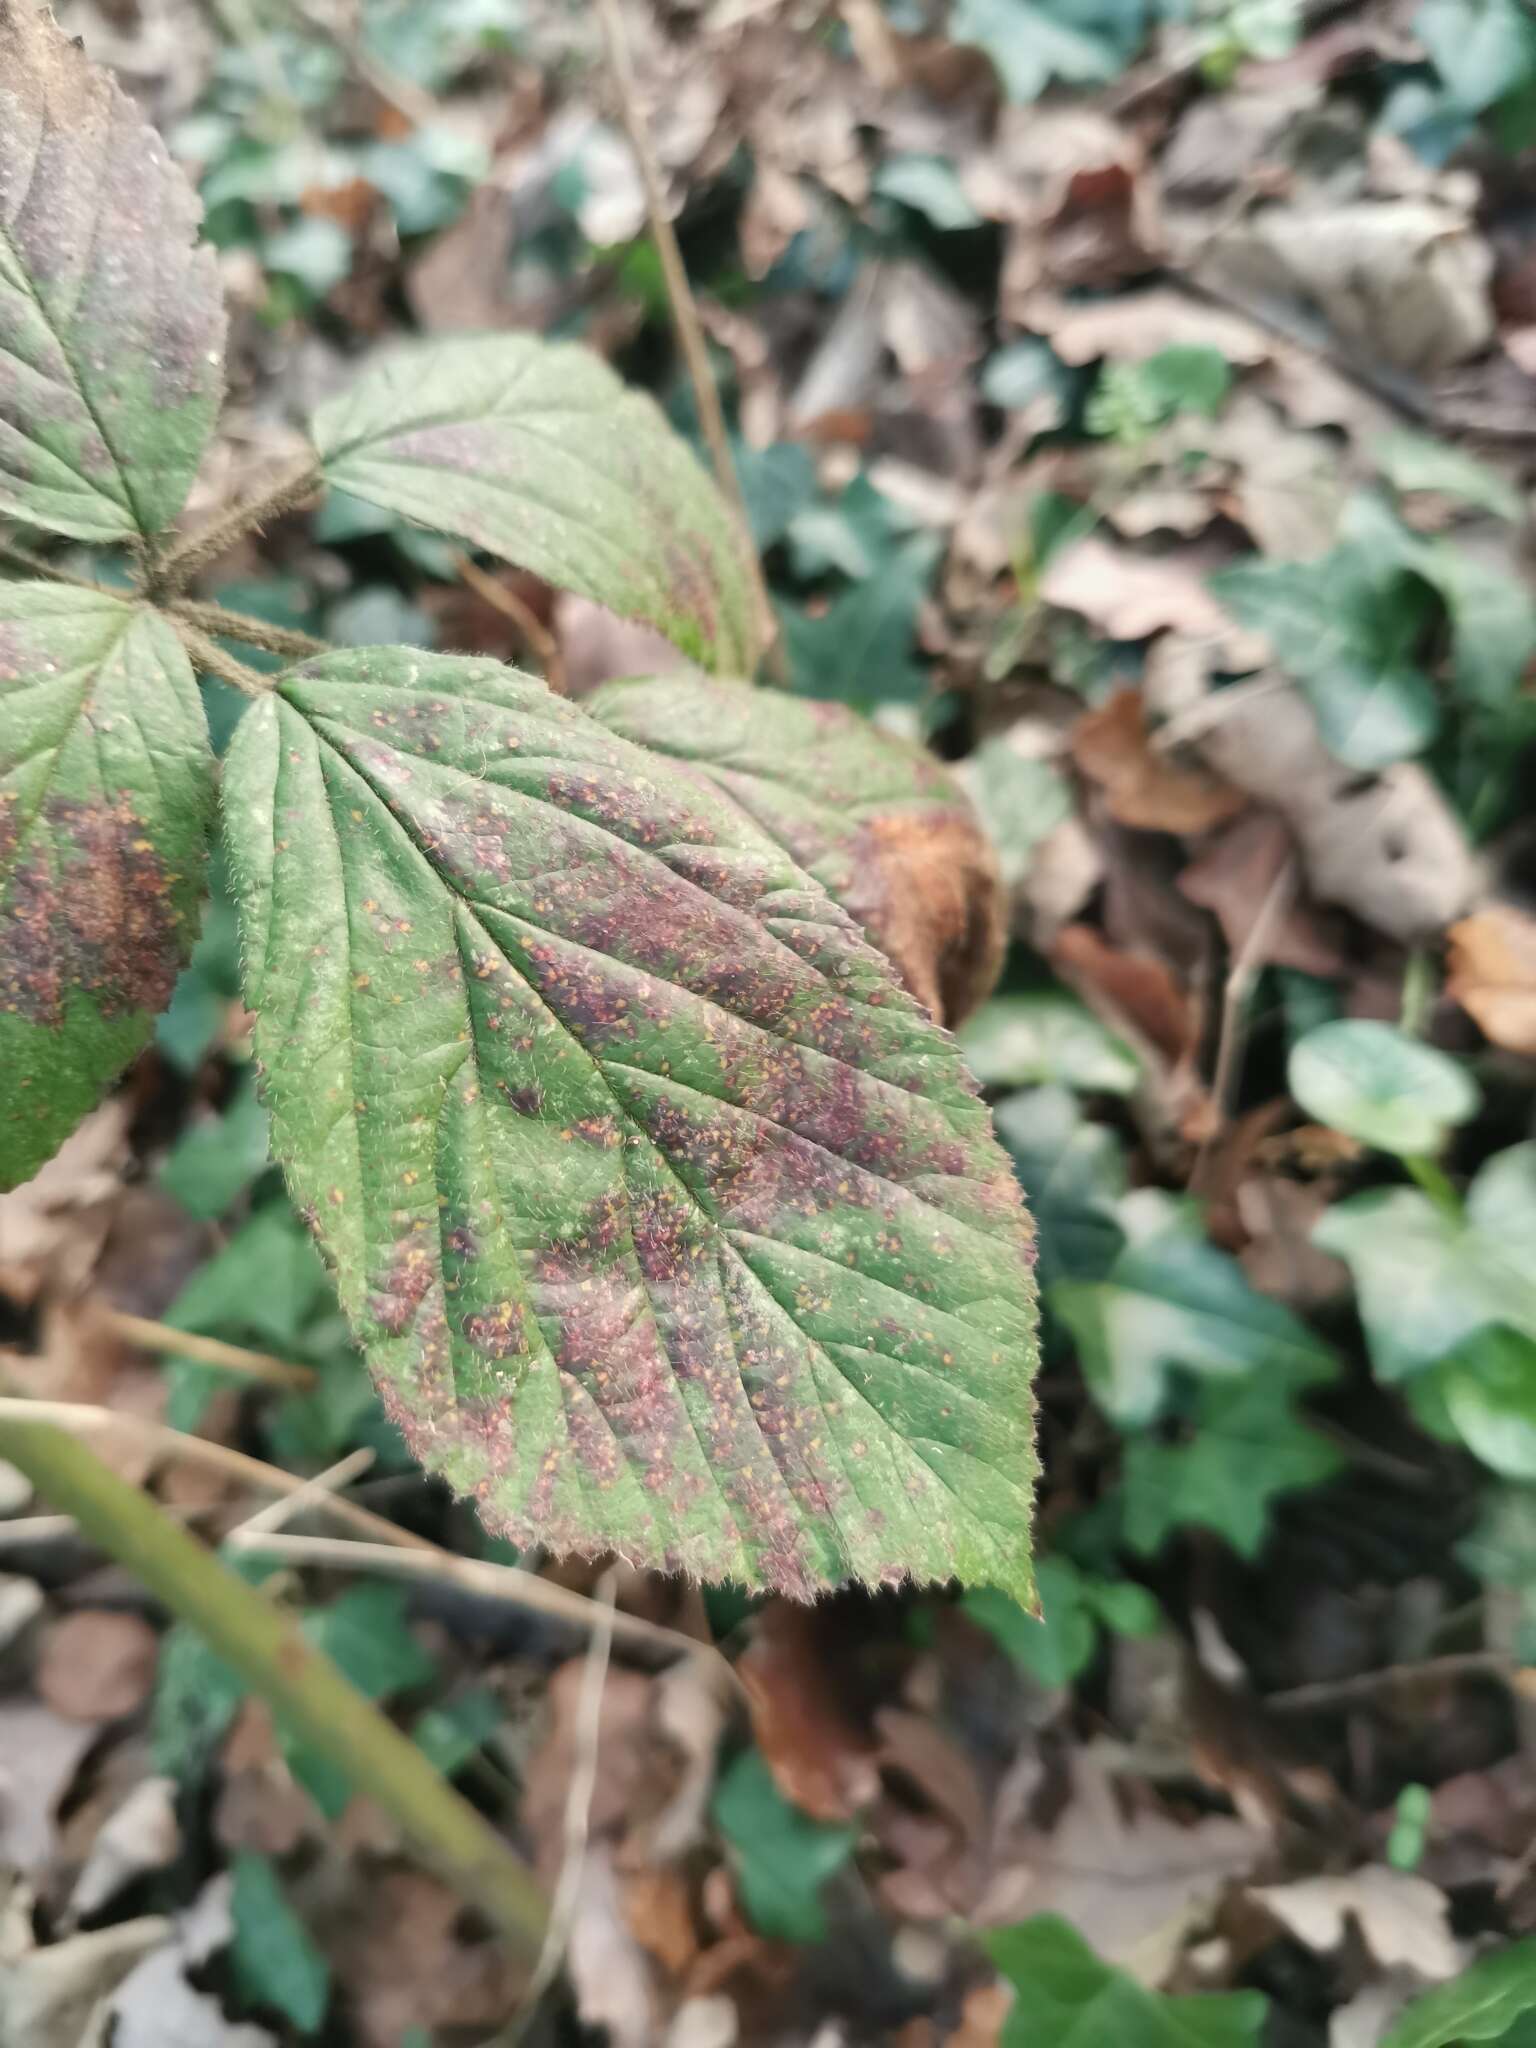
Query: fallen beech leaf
[95, 1665]
[1404, 1920]
[1144, 786]
[1138, 986]
[821, 1760]
[1233, 878]
[1492, 974]
[1131, 596]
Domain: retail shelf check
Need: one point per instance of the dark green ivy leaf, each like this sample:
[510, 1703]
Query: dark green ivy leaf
[1484, 2003]
[781, 1857]
[670, 1222]
[1068, 1998]
[273, 1959]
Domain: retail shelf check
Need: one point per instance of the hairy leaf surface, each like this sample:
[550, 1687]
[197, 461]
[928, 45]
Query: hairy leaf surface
[106, 789]
[670, 1222]
[878, 821]
[111, 318]
[536, 451]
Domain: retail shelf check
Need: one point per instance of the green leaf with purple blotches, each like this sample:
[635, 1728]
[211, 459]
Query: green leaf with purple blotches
[670, 1222]
[535, 451]
[882, 825]
[111, 318]
[106, 793]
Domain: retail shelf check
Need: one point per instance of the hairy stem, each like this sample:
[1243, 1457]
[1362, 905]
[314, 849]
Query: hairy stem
[175, 569]
[36, 565]
[273, 1655]
[1437, 1184]
[213, 618]
[206, 653]
[685, 312]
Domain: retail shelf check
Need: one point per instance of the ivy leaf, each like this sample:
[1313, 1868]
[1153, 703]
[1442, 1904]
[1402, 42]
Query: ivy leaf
[782, 1857]
[536, 451]
[1081, 42]
[1482, 2004]
[272, 1958]
[1068, 1998]
[1073, 1177]
[1483, 49]
[880, 823]
[111, 317]
[106, 788]
[1247, 1447]
[1170, 1300]
[1428, 1281]
[1487, 1388]
[670, 1223]
[1058, 1643]
[1379, 1084]
[1417, 462]
[1048, 1036]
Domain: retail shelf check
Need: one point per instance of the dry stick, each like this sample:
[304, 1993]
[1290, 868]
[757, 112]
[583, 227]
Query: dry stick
[320, 1487]
[685, 313]
[178, 565]
[1329, 1692]
[1234, 1003]
[251, 1365]
[586, 1741]
[275, 1658]
[527, 621]
[214, 618]
[384, 1546]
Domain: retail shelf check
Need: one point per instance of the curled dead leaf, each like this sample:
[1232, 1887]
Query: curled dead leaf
[821, 1760]
[1492, 975]
[1143, 785]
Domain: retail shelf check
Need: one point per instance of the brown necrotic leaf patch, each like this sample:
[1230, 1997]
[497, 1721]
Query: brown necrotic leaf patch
[672, 1224]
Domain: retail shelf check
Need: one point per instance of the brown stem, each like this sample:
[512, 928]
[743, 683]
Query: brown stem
[228, 625]
[685, 312]
[537, 636]
[176, 568]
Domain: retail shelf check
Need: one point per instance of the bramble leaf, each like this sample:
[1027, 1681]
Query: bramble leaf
[536, 451]
[106, 790]
[880, 823]
[111, 318]
[670, 1222]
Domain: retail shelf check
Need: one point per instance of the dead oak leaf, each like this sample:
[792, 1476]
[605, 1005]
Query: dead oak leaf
[1143, 785]
[1129, 596]
[1492, 974]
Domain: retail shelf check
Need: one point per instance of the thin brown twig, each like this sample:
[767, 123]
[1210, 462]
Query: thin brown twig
[160, 1337]
[1241, 976]
[320, 1487]
[685, 312]
[540, 640]
[586, 1741]
[1332, 1692]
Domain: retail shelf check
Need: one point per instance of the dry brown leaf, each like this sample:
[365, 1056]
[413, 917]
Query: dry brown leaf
[1140, 988]
[1130, 328]
[1132, 596]
[1492, 974]
[97, 1665]
[40, 1753]
[411, 1957]
[53, 1227]
[1143, 785]
[50, 1997]
[141, 1834]
[1128, 1876]
[636, 1770]
[1233, 878]
[821, 1760]
[658, 1910]
[1404, 1920]
[260, 1805]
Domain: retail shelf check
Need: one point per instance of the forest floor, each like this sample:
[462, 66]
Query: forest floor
[1138, 402]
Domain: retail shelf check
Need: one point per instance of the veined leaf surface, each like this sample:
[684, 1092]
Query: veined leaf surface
[537, 452]
[877, 820]
[111, 318]
[670, 1222]
[106, 790]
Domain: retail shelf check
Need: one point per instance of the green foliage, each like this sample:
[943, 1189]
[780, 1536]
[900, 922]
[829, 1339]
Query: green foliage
[536, 452]
[106, 791]
[1059, 1643]
[1031, 42]
[1169, 1301]
[781, 1857]
[1133, 398]
[1485, 53]
[1017, 1041]
[1378, 1084]
[650, 1192]
[1073, 1175]
[1485, 2003]
[274, 1962]
[1069, 1999]
[1020, 801]
[216, 1160]
[114, 335]
[1244, 1446]
[457, 1730]
[1414, 462]
[364, 1632]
